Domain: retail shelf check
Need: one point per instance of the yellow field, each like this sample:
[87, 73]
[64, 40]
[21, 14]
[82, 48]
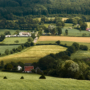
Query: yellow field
[63, 19]
[33, 54]
[88, 24]
[65, 38]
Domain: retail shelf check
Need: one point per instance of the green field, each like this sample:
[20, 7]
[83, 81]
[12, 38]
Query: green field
[11, 40]
[32, 82]
[9, 47]
[75, 32]
[33, 54]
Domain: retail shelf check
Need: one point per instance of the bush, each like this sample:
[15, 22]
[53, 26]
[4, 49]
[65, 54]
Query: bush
[83, 47]
[4, 77]
[58, 42]
[42, 76]
[22, 77]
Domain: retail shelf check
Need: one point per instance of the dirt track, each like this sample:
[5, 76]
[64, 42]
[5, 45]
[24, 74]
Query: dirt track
[64, 38]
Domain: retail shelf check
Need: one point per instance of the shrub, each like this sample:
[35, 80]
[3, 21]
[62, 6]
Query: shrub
[58, 42]
[42, 76]
[22, 77]
[4, 77]
[83, 47]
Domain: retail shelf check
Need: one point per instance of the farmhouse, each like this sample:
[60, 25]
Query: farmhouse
[19, 68]
[28, 68]
[88, 29]
[24, 34]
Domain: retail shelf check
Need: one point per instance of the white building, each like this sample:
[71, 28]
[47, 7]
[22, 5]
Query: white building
[19, 68]
[24, 34]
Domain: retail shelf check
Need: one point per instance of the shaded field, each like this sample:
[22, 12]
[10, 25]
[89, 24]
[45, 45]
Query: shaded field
[12, 40]
[33, 54]
[9, 47]
[65, 38]
[32, 82]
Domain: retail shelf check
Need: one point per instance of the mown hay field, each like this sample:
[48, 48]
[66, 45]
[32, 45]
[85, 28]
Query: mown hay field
[33, 54]
[32, 82]
[65, 38]
[9, 47]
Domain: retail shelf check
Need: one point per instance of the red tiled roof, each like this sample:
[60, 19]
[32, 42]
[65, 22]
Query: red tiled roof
[28, 68]
[88, 29]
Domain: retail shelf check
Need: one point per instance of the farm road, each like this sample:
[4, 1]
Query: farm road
[64, 38]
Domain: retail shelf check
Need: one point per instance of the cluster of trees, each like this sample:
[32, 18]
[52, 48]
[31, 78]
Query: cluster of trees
[81, 23]
[60, 64]
[2, 37]
[22, 23]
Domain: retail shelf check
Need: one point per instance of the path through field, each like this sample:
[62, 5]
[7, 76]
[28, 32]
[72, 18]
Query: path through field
[65, 38]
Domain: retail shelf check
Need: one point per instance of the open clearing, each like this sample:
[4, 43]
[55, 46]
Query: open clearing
[32, 82]
[64, 38]
[33, 54]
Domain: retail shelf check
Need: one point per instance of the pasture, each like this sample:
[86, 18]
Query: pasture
[32, 82]
[9, 47]
[11, 40]
[75, 32]
[33, 54]
[65, 38]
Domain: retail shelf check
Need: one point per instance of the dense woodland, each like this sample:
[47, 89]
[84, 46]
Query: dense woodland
[8, 8]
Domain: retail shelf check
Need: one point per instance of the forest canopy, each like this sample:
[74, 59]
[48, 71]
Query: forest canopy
[43, 7]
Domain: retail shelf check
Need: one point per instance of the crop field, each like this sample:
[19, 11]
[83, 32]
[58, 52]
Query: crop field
[9, 47]
[33, 54]
[32, 82]
[65, 38]
[63, 19]
[11, 40]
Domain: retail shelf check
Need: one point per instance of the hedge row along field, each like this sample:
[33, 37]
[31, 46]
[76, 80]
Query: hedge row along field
[33, 54]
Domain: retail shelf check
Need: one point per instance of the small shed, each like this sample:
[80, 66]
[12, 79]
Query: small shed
[28, 68]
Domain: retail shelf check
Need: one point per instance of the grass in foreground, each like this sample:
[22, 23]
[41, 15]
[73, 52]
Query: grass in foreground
[32, 82]
[11, 40]
[33, 54]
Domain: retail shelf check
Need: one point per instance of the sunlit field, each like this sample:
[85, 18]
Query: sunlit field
[33, 54]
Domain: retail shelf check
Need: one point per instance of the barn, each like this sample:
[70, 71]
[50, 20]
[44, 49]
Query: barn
[28, 68]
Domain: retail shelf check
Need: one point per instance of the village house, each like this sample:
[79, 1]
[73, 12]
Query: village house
[88, 29]
[19, 68]
[28, 69]
[24, 34]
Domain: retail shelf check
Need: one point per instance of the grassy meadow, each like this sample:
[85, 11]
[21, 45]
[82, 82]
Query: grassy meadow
[32, 82]
[11, 40]
[9, 47]
[33, 54]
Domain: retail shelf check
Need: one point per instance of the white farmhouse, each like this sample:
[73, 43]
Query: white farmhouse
[19, 68]
[24, 34]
